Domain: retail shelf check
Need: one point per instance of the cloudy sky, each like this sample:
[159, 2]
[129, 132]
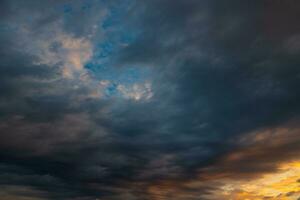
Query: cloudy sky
[149, 100]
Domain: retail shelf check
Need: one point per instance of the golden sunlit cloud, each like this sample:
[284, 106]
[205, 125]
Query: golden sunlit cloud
[252, 172]
[283, 185]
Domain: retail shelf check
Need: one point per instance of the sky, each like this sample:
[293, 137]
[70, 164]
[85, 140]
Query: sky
[149, 100]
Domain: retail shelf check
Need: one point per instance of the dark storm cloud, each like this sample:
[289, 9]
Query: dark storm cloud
[217, 73]
[254, 156]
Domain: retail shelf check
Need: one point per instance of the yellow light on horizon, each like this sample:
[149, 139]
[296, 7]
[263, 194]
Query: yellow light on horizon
[280, 185]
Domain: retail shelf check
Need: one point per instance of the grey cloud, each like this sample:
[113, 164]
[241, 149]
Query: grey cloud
[216, 75]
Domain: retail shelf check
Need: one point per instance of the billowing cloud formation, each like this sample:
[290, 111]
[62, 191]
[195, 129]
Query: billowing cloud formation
[155, 99]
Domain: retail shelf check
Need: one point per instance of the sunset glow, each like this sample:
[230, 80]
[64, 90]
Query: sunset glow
[149, 100]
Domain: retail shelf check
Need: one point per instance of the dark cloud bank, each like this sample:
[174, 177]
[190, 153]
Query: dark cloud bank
[219, 71]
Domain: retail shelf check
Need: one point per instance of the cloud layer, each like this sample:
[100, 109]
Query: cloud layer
[155, 99]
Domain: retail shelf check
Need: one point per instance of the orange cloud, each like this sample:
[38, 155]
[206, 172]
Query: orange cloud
[265, 166]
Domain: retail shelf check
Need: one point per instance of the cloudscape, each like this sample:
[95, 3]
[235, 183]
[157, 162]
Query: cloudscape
[149, 100]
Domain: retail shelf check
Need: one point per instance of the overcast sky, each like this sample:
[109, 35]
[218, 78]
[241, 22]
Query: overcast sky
[149, 100]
